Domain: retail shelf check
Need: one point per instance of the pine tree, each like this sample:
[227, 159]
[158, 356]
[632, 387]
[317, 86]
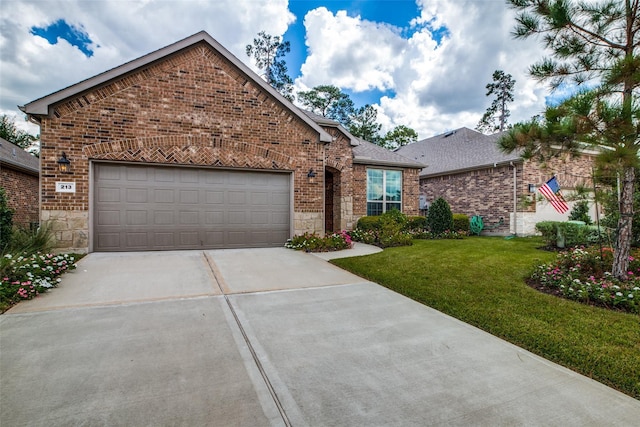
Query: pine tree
[496, 117]
[268, 51]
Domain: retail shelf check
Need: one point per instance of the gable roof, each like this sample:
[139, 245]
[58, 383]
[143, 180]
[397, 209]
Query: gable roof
[369, 153]
[365, 152]
[15, 157]
[457, 151]
[41, 106]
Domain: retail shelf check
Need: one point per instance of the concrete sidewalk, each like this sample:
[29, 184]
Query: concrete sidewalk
[268, 337]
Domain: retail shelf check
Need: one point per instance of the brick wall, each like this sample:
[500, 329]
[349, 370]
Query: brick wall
[489, 192]
[192, 108]
[22, 195]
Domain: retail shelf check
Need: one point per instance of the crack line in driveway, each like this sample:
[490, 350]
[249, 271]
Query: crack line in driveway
[220, 280]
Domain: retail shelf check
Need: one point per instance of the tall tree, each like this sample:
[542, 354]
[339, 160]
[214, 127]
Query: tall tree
[596, 42]
[268, 51]
[10, 132]
[496, 117]
[399, 136]
[328, 101]
[364, 124]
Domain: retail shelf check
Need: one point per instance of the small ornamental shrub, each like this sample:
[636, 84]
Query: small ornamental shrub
[365, 236]
[549, 231]
[392, 230]
[416, 223]
[368, 223]
[566, 234]
[582, 274]
[313, 243]
[580, 212]
[461, 223]
[439, 216]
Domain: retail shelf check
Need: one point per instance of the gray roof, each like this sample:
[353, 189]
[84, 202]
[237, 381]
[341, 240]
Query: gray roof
[371, 154]
[365, 152]
[456, 151]
[41, 106]
[15, 157]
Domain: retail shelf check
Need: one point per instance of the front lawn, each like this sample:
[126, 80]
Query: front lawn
[481, 281]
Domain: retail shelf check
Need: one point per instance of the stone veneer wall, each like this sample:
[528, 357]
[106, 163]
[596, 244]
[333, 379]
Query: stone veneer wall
[191, 108]
[22, 195]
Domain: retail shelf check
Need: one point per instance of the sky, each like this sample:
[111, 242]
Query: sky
[424, 64]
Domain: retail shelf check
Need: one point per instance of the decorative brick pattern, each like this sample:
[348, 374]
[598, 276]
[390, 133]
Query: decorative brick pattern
[22, 195]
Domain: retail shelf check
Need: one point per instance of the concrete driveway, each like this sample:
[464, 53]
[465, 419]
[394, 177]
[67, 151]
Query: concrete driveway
[262, 337]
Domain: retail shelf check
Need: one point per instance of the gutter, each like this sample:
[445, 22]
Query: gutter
[471, 168]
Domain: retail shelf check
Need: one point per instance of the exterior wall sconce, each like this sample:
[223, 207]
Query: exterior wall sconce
[532, 188]
[64, 165]
[311, 174]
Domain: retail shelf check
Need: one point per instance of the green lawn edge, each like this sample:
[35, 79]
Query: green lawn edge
[481, 281]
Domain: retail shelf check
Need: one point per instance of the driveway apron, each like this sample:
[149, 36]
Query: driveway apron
[266, 337]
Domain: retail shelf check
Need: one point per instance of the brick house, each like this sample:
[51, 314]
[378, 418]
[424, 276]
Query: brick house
[187, 148]
[467, 169]
[19, 176]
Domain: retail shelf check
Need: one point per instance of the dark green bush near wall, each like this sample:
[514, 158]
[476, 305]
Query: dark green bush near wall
[6, 220]
[461, 223]
[368, 223]
[417, 223]
[439, 217]
[574, 234]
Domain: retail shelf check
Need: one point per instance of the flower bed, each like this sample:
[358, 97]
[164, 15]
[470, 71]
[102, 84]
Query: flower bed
[581, 274]
[313, 243]
[25, 276]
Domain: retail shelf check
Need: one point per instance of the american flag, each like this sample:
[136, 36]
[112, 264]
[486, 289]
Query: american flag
[551, 190]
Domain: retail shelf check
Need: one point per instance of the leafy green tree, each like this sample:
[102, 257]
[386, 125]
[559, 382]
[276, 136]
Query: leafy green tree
[596, 42]
[10, 132]
[439, 216]
[364, 124]
[328, 101]
[268, 51]
[496, 117]
[399, 136]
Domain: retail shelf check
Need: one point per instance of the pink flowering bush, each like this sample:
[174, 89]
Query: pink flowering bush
[313, 243]
[25, 276]
[582, 274]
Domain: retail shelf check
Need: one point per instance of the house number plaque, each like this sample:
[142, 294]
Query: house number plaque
[65, 187]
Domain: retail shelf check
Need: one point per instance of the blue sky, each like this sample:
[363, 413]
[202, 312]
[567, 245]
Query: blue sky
[422, 63]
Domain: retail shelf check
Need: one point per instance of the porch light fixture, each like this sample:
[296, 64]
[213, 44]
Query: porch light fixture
[532, 188]
[64, 165]
[311, 174]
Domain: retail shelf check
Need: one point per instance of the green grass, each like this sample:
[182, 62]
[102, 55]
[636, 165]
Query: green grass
[481, 281]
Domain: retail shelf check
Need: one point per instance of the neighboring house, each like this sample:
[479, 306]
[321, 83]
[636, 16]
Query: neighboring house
[468, 170]
[19, 176]
[187, 148]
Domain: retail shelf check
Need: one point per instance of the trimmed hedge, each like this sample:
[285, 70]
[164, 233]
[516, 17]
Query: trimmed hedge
[554, 232]
[461, 222]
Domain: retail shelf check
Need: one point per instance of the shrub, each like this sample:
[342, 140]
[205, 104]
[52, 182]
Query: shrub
[313, 243]
[439, 216]
[368, 223]
[365, 236]
[549, 231]
[416, 223]
[6, 220]
[580, 212]
[461, 223]
[31, 240]
[392, 230]
[569, 234]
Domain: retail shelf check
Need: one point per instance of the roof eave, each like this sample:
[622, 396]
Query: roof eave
[471, 168]
[369, 161]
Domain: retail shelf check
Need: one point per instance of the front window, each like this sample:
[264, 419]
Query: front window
[384, 191]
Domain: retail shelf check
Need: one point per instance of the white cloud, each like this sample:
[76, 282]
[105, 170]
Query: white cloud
[121, 31]
[435, 87]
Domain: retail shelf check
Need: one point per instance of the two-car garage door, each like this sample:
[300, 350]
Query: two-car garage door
[164, 208]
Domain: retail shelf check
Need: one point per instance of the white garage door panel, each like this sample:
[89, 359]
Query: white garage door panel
[167, 208]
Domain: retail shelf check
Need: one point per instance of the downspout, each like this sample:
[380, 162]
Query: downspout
[515, 199]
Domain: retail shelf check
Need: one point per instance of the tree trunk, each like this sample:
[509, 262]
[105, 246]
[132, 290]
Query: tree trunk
[623, 239]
